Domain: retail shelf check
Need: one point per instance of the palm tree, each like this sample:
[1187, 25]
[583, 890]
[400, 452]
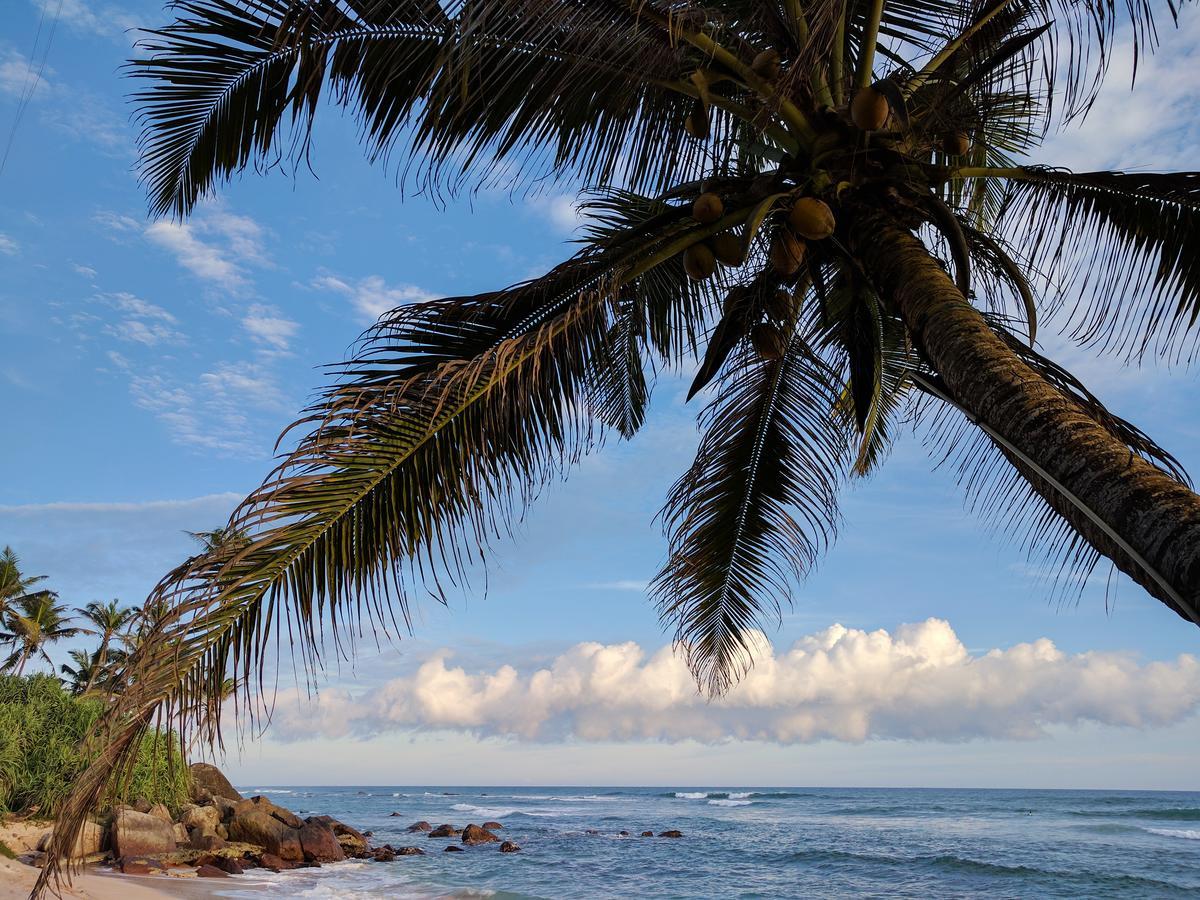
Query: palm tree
[13, 583]
[219, 539]
[82, 671]
[34, 622]
[822, 200]
[108, 619]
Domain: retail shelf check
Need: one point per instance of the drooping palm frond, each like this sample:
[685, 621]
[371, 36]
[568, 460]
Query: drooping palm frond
[755, 510]
[1125, 245]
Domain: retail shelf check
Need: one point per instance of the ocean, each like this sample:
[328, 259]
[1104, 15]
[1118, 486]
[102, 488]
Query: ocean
[759, 842]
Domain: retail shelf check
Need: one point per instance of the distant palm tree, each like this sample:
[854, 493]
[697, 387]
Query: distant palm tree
[14, 584]
[822, 200]
[108, 619]
[34, 622]
[82, 671]
[220, 539]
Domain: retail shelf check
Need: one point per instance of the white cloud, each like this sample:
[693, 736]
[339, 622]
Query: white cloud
[115, 221]
[269, 327]
[8, 246]
[371, 297]
[214, 246]
[143, 322]
[17, 79]
[86, 16]
[918, 682]
[85, 271]
[636, 585]
[563, 211]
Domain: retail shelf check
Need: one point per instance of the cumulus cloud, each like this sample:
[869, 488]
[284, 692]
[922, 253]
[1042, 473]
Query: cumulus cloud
[371, 297]
[214, 246]
[269, 327]
[918, 682]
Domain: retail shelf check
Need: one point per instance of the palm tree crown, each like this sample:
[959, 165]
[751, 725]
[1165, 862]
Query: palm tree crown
[32, 623]
[818, 206]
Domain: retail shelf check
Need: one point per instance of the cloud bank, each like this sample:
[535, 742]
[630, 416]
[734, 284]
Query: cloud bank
[918, 682]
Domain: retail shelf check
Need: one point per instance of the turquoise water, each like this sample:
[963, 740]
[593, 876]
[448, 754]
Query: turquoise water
[763, 842]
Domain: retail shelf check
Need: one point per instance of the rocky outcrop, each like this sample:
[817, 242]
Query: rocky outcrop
[254, 824]
[473, 835]
[319, 843]
[207, 871]
[417, 826]
[647, 834]
[91, 841]
[384, 854]
[510, 847]
[140, 834]
[206, 818]
[444, 831]
[672, 833]
[208, 782]
[160, 811]
[453, 848]
[492, 826]
[409, 851]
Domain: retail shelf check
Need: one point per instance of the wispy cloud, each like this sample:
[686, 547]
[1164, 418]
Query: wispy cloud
[106, 20]
[141, 322]
[268, 327]
[371, 297]
[8, 246]
[17, 78]
[112, 221]
[214, 246]
[637, 585]
[918, 682]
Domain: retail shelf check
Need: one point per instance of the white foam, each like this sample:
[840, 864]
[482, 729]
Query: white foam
[740, 795]
[730, 802]
[487, 812]
[1185, 833]
[685, 795]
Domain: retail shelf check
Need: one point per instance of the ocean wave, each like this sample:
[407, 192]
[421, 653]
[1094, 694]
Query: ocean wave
[487, 812]
[690, 795]
[1173, 813]
[1187, 834]
[734, 795]
[266, 791]
[720, 802]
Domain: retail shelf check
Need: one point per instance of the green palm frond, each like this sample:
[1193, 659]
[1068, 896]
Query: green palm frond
[755, 510]
[1127, 245]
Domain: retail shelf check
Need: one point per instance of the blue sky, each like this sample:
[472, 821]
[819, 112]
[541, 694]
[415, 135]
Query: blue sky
[148, 367]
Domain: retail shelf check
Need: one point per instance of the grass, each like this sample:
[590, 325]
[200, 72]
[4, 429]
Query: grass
[7, 851]
[41, 729]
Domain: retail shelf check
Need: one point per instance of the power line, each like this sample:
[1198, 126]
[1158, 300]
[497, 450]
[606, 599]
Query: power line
[32, 79]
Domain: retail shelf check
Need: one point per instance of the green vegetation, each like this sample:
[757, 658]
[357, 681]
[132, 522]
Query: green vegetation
[41, 730]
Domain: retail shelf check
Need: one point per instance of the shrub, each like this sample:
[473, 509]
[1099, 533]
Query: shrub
[41, 728]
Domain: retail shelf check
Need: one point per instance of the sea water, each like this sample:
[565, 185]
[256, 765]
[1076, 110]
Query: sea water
[758, 842]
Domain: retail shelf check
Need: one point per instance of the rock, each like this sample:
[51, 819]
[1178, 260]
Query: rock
[445, 831]
[383, 855]
[492, 826]
[142, 805]
[206, 840]
[453, 848]
[89, 842]
[671, 833]
[224, 807]
[274, 863]
[591, 831]
[160, 811]
[418, 826]
[210, 872]
[319, 843]
[410, 851]
[208, 781]
[223, 831]
[394, 815]
[132, 866]
[181, 833]
[284, 816]
[254, 825]
[353, 842]
[206, 817]
[473, 834]
[228, 864]
[510, 847]
[623, 833]
[139, 834]
[37, 859]
[647, 834]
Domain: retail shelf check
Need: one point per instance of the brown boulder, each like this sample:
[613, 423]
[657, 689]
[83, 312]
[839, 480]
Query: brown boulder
[205, 840]
[208, 781]
[671, 833]
[256, 826]
[139, 834]
[205, 817]
[134, 867]
[473, 834]
[444, 831]
[418, 826]
[647, 834]
[228, 864]
[383, 854]
[90, 841]
[410, 851]
[623, 833]
[273, 862]
[319, 843]
[160, 811]
[285, 816]
[210, 872]
[353, 842]
[142, 805]
[224, 807]
[181, 833]
[453, 848]
[510, 847]
[492, 826]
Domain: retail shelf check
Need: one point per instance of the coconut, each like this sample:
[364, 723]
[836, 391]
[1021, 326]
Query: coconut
[780, 306]
[787, 252]
[768, 340]
[869, 109]
[727, 248]
[766, 65]
[696, 123]
[699, 262]
[707, 208]
[956, 143]
[735, 296]
[812, 219]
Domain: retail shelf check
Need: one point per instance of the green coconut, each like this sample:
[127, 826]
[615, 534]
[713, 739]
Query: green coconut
[699, 262]
[869, 109]
[812, 219]
[727, 248]
[707, 208]
[768, 341]
[787, 252]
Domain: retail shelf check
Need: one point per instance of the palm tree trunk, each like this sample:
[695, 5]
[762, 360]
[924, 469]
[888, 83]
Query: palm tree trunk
[97, 664]
[24, 659]
[1140, 517]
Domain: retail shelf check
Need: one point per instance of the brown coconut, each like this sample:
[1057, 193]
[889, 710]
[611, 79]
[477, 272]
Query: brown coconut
[956, 144]
[780, 306]
[727, 248]
[812, 219]
[766, 65]
[768, 340]
[869, 109]
[787, 252]
[699, 262]
[707, 208]
[696, 123]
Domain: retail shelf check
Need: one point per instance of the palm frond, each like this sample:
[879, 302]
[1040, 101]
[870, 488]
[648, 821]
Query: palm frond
[755, 510]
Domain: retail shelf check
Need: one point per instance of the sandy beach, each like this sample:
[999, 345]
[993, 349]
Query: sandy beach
[17, 879]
